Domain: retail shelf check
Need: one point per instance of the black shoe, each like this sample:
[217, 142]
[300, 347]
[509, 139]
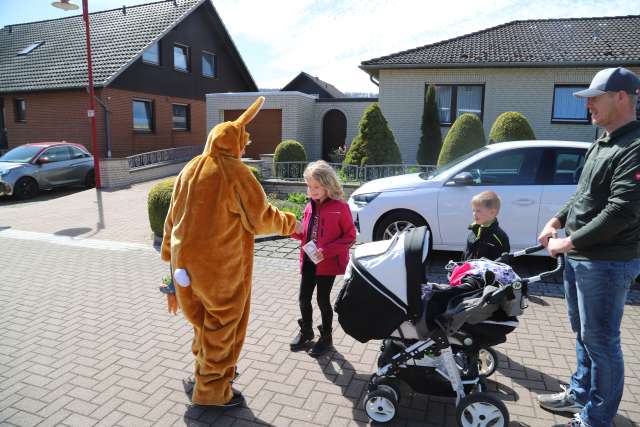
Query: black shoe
[236, 400]
[304, 337]
[324, 343]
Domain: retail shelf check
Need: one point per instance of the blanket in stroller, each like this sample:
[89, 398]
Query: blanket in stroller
[383, 288]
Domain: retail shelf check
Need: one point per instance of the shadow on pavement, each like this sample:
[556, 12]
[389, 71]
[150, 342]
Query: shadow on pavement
[526, 382]
[44, 195]
[73, 232]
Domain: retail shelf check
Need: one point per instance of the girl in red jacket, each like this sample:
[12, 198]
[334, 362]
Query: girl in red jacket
[327, 234]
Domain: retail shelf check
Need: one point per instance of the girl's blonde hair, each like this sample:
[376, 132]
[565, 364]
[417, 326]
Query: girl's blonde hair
[322, 172]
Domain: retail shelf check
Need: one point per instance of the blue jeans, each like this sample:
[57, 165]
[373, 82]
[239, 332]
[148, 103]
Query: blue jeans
[595, 293]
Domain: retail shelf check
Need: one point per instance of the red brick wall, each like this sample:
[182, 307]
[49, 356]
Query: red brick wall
[61, 115]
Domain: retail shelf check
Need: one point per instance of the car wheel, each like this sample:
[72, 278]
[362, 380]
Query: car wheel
[396, 222]
[25, 188]
[90, 179]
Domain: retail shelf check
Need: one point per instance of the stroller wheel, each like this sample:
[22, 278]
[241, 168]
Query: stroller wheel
[487, 361]
[381, 405]
[390, 385]
[481, 409]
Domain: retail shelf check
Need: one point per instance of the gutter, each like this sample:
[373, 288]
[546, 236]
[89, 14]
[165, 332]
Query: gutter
[375, 67]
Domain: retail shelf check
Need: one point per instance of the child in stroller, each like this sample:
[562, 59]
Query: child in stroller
[432, 334]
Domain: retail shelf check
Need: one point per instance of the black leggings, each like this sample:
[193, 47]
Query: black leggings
[307, 284]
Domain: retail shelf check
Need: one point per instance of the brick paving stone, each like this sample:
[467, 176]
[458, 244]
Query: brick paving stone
[103, 350]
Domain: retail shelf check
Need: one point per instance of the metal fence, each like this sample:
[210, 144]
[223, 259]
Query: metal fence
[293, 171]
[170, 155]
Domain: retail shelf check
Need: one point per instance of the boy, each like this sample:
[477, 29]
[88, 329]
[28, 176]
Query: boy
[486, 239]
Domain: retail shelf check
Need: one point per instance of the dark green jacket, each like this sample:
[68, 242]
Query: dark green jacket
[603, 216]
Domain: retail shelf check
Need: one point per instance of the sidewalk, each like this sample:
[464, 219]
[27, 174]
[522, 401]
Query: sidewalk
[85, 338]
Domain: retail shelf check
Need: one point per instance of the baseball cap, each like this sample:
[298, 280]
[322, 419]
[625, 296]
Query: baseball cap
[611, 80]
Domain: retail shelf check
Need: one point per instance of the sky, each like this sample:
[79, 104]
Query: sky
[330, 38]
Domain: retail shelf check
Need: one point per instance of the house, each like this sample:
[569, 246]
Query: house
[307, 109]
[152, 66]
[530, 66]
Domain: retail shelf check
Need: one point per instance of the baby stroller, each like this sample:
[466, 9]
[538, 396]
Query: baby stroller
[432, 335]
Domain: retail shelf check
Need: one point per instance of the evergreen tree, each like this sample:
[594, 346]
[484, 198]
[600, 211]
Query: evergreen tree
[374, 144]
[431, 140]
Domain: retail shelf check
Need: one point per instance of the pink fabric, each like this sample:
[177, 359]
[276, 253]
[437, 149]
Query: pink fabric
[336, 234]
[458, 273]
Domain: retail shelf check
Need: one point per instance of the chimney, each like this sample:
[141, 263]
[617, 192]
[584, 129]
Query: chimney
[124, 9]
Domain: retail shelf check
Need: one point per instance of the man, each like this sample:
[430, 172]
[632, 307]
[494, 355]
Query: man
[602, 224]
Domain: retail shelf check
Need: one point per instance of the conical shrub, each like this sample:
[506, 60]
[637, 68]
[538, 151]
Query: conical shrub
[465, 135]
[511, 126]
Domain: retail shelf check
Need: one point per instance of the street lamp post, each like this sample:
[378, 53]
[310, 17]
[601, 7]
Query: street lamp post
[91, 113]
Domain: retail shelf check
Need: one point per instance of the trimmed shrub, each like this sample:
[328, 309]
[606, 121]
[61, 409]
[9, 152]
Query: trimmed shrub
[511, 126]
[158, 203]
[431, 140]
[374, 144]
[290, 151]
[255, 172]
[465, 135]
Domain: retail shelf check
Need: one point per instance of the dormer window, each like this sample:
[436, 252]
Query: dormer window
[27, 50]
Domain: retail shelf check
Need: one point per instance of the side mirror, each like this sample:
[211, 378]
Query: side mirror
[43, 160]
[461, 179]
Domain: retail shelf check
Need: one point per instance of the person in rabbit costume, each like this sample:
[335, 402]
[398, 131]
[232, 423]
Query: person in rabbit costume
[217, 207]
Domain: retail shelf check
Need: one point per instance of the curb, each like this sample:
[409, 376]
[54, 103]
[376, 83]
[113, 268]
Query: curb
[157, 240]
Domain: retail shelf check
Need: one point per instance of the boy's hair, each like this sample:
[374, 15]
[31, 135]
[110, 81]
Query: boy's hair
[322, 172]
[488, 199]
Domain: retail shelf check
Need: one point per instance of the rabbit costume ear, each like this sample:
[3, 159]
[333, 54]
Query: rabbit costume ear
[250, 112]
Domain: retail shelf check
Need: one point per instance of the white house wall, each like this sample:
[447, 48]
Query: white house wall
[527, 90]
[353, 112]
[302, 116]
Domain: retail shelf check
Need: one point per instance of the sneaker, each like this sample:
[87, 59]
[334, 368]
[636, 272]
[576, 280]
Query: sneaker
[576, 421]
[560, 402]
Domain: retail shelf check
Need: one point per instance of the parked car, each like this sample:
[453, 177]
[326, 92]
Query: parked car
[29, 168]
[533, 179]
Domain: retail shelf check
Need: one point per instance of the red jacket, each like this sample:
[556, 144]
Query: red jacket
[336, 234]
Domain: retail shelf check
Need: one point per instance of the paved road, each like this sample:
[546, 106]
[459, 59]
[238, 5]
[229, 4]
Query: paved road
[85, 338]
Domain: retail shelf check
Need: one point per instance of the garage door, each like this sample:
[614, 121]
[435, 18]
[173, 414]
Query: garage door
[265, 130]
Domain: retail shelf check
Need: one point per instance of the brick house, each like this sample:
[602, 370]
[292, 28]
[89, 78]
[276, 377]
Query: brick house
[152, 65]
[529, 66]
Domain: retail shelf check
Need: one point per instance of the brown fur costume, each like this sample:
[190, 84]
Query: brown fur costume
[216, 208]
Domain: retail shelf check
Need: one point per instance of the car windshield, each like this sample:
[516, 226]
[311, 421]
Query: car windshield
[22, 154]
[443, 168]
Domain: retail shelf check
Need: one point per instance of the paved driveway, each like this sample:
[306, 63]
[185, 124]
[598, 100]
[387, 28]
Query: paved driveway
[85, 338]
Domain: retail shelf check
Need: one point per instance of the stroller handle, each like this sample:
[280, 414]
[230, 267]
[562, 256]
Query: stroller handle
[507, 257]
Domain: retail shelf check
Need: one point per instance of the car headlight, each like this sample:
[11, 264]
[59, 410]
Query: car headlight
[363, 199]
[5, 172]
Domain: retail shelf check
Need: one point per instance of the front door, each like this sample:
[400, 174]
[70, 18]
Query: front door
[4, 144]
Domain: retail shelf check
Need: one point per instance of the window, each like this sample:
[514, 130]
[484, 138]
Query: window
[181, 58]
[57, 154]
[27, 50]
[514, 167]
[180, 117]
[208, 64]
[77, 153]
[21, 110]
[568, 108]
[152, 54]
[568, 166]
[142, 115]
[455, 100]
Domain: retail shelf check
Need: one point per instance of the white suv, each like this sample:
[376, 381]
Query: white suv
[533, 179]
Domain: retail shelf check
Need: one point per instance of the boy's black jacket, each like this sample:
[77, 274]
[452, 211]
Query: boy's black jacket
[486, 242]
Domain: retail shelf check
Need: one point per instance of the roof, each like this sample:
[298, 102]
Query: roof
[118, 38]
[330, 89]
[533, 43]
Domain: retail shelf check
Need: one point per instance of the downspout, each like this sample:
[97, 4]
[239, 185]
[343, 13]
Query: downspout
[373, 80]
[107, 128]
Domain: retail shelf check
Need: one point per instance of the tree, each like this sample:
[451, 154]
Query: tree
[465, 135]
[511, 126]
[374, 144]
[431, 140]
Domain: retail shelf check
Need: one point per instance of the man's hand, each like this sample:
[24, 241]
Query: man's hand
[550, 230]
[559, 246]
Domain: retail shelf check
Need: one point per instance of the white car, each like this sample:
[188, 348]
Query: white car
[533, 179]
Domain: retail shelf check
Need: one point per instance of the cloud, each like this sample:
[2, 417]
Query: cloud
[329, 38]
